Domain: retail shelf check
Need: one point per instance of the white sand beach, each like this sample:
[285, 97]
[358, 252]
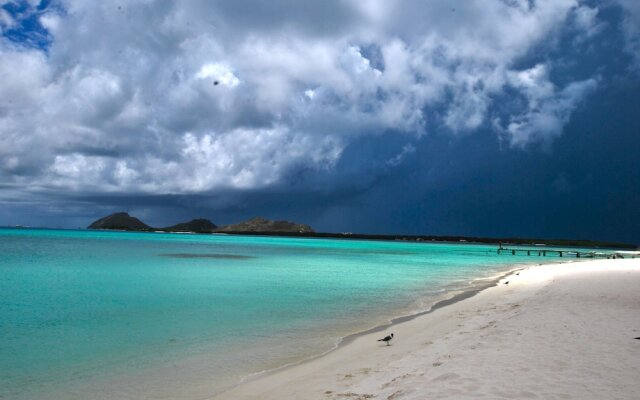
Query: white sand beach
[560, 331]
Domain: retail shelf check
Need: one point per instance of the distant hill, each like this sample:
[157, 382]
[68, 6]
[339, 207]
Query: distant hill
[121, 221]
[262, 225]
[200, 225]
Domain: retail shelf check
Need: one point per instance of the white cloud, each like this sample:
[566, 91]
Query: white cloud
[219, 74]
[547, 108]
[51, 22]
[357, 64]
[586, 19]
[398, 158]
[6, 21]
[533, 83]
[238, 159]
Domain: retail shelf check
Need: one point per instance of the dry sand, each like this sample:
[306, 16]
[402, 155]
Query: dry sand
[561, 331]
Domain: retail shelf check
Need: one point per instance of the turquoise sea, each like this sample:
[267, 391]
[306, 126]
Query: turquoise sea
[119, 315]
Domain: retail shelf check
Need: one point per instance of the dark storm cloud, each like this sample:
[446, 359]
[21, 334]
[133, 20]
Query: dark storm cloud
[329, 111]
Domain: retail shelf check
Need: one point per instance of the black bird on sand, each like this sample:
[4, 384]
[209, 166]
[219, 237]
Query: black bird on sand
[506, 283]
[386, 339]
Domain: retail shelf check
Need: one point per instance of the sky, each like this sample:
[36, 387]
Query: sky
[478, 117]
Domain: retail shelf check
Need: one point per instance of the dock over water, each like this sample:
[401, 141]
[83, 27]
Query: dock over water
[550, 252]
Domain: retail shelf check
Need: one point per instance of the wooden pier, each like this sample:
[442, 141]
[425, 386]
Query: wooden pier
[548, 252]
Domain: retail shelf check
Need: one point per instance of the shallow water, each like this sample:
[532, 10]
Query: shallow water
[92, 314]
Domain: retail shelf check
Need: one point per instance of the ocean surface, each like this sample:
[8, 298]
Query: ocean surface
[120, 315]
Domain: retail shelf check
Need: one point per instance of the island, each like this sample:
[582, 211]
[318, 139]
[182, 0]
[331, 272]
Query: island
[120, 221]
[199, 225]
[263, 225]
[258, 225]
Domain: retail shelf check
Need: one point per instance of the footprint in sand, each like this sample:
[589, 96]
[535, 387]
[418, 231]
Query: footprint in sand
[394, 395]
[356, 395]
[446, 377]
[396, 379]
[490, 324]
[363, 371]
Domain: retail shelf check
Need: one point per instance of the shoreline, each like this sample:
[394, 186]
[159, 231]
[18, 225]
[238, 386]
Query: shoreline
[457, 295]
[338, 372]
[451, 296]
